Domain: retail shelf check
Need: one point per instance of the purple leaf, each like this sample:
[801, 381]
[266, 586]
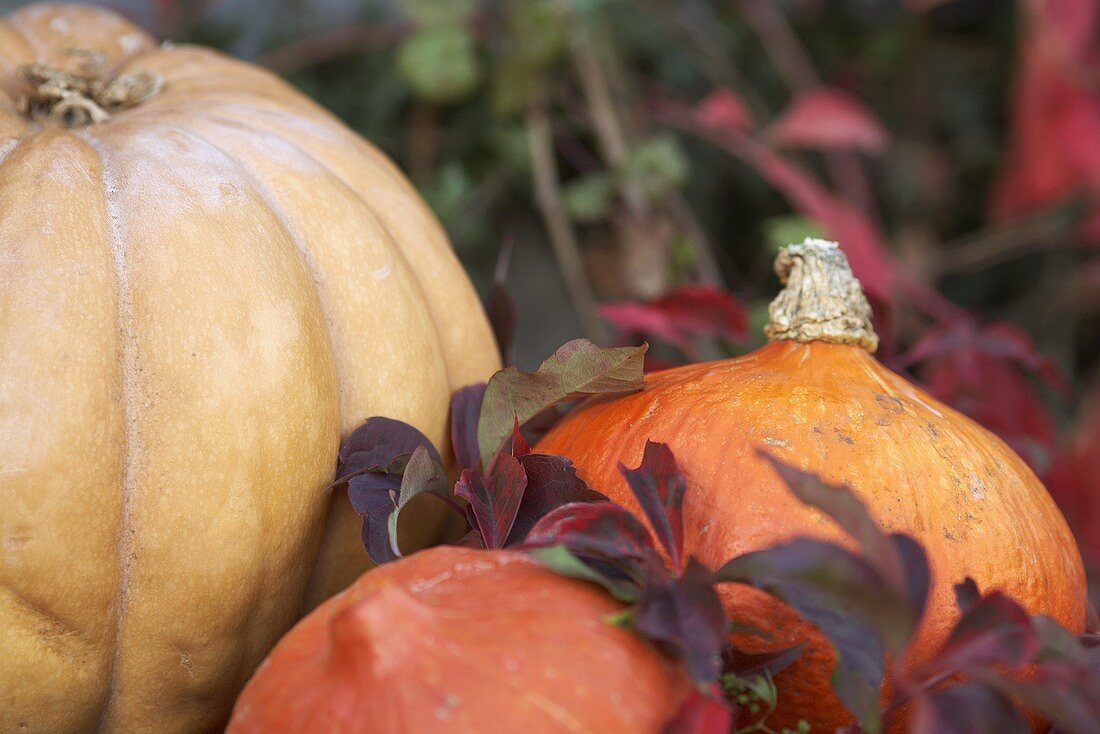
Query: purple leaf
[559, 560]
[601, 530]
[683, 616]
[993, 631]
[1056, 643]
[551, 482]
[967, 594]
[576, 369]
[1066, 695]
[838, 502]
[701, 714]
[846, 598]
[379, 498]
[465, 409]
[518, 446]
[494, 502]
[744, 664]
[659, 487]
[378, 443]
[968, 708]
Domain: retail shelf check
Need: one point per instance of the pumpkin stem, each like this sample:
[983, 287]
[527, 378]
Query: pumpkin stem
[84, 97]
[822, 300]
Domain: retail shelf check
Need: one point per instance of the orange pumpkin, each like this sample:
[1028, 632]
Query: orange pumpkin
[459, 641]
[205, 280]
[816, 398]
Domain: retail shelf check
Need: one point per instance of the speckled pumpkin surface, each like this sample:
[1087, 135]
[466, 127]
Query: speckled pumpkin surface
[198, 296]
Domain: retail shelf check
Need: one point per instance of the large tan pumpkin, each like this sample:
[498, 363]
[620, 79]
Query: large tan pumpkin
[198, 295]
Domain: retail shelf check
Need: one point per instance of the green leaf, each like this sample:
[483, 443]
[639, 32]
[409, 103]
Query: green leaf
[440, 63]
[423, 474]
[658, 165]
[577, 369]
[559, 560]
[437, 12]
[589, 198]
[783, 230]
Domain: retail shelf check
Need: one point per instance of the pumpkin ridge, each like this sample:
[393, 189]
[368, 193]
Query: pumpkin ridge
[131, 441]
[309, 265]
[414, 275]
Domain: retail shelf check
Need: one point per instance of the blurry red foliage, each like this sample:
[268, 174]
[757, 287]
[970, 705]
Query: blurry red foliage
[680, 315]
[1055, 113]
[985, 371]
[828, 118]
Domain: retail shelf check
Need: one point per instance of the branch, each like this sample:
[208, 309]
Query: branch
[333, 44]
[795, 65]
[562, 238]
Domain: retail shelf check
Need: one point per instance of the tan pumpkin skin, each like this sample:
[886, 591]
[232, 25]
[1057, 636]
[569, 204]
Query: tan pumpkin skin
[921, 468]
[197, 298]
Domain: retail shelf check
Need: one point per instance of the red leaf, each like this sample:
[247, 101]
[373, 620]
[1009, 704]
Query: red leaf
[601, 530]
[659, 486]
[494, 502]
[993, 631]
[465, 408]
[551, 482]
[723, 110]
[858, 237]
[1075, 479]
[680, 314]
[701, 714]
[984, 372]
[1055, 113]
[828, 119]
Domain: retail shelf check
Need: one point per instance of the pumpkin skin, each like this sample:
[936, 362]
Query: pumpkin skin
[198, 297]
[919, 466]
[459, 641]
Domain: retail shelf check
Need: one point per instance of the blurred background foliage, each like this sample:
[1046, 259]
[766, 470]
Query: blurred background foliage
[629, 167]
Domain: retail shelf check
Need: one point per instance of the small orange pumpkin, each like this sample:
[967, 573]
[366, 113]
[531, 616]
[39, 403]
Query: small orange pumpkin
[816, 398]
[459, 641]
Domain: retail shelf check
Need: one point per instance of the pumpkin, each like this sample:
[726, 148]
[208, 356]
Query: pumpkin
[816, 398]
[206, 280]
[454, 640]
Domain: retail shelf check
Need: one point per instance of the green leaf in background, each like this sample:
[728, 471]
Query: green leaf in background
[589, 198]
[783, 230]
[658, 165]
[437, 12]
[440, 63]
[578, 368]
[513, 83]
[541, 29]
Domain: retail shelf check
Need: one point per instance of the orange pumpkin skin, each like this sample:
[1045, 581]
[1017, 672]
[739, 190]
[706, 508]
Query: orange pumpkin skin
[458, 641]
[921, 467]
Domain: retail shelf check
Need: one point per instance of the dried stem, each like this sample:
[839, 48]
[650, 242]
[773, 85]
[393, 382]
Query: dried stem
[558, 227]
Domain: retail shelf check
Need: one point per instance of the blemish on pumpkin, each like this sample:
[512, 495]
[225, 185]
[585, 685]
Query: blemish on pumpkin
[449, 704]
[890, 404]
[186, 663]
[976, 487]
[841, 435]
[780, 442]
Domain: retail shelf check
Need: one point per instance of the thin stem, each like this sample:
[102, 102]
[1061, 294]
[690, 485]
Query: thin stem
[563, 239]
[793, 62]
[333, 44]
